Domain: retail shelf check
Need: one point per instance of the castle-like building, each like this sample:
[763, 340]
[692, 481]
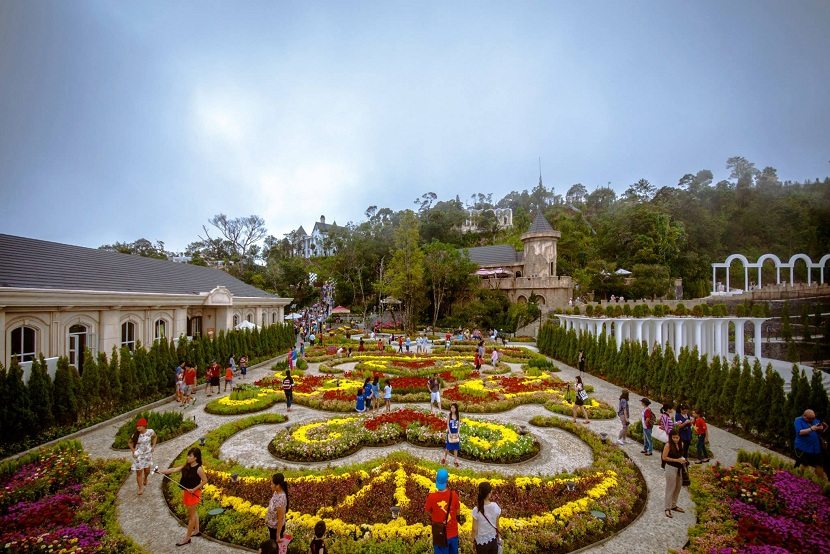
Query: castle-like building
[527, 274]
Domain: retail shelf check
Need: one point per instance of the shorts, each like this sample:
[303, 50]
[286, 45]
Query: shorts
[435, 397]
[187, 389]
[579, 401]
[191, 498]
[214, 381]
[807, 458]
[244, 370]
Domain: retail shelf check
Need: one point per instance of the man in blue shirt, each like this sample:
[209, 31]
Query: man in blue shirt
[807, 443]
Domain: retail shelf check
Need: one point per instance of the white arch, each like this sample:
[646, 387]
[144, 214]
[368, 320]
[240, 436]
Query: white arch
[807, 261]
[778, 265]
[822, 264]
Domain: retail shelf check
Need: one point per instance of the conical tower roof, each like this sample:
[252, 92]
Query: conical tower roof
[540, 225]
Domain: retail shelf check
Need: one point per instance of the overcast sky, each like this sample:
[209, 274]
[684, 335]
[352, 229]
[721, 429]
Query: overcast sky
[121, 120]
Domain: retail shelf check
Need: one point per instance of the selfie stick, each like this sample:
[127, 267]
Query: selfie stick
[156, 470]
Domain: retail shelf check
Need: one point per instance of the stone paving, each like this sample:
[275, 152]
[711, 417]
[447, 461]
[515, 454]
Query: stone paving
[149, 522]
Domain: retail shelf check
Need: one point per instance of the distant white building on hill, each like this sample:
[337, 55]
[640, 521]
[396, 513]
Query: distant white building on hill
[504, 216]
[316, 243]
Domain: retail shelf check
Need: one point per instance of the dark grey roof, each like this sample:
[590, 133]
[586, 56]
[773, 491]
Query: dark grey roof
[324, 227]
[32, 263]
[501, 254]
[540, 225]
[301, 232]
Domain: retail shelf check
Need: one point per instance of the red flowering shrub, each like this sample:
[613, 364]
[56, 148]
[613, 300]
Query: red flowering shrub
[404, 418]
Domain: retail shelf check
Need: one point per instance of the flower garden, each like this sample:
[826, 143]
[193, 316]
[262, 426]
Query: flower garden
[327, 439]
[58, 500]
[551, 513]
[758, 506]
[473, 391]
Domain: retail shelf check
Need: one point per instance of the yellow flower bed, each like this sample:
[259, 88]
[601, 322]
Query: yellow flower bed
[301, 433]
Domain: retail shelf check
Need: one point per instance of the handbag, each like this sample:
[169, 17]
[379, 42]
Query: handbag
[439, 530]
[453, 438]
[684, 475]
[582, 395]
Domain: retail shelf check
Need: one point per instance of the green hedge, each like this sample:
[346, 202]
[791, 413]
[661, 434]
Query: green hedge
[166, 425]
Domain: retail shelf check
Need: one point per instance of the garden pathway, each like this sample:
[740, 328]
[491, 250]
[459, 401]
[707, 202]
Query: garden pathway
[149, 522]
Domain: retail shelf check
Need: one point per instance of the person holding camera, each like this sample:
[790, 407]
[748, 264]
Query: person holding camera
[808, 429]
[673, 464]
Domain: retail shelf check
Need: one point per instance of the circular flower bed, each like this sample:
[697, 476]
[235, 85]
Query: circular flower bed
[244, 399]
[549, 514]
[327, 439]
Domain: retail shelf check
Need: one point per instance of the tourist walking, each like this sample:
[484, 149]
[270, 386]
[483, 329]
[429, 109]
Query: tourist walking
[702, 432]
[434, 386]
[453, 439]
[494, 357]
[142, 444]
[192, 481]
[808, 443]
[625, 418]
[683, 424]
[485, 531]
[189, 384]
[580, 398]
[243, 365]
[580, 361]
[673, 465]
[215, 373]
[443, 506]
[277, 507]
[288, 389]
[228, 378]
[648, 423]
[387, 395]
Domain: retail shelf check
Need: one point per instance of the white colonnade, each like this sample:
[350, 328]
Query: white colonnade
[709, 334]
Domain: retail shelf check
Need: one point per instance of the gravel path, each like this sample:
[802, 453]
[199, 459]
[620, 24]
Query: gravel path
[148, 521]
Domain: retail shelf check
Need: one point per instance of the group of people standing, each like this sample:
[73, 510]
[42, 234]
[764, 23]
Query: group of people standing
[369, 398]
[187, 380]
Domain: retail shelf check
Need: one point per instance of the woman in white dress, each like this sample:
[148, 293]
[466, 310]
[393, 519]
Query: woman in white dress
[142, 444]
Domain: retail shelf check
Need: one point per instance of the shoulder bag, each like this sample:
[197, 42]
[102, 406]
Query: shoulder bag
[439, 530]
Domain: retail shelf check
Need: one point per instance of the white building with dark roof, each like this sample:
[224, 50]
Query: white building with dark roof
[57, 299]
[316, 243]
[531, 272]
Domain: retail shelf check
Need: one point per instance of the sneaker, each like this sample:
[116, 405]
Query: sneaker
[620, 442]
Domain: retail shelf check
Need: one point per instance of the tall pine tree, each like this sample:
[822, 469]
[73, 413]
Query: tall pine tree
[18, 409]
[66, 402]
[40, 395]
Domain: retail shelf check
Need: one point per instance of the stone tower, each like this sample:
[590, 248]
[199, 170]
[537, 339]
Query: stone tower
[540, 248]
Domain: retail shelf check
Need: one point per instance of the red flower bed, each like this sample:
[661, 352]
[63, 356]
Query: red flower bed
[404, 418]
[419, 383]
[338, 395]
[309, 383]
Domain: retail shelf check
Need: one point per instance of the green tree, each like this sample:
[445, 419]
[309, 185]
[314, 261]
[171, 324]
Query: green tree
[40, 395]
[18, 409]
[65, 394]
[448, 273]
[90, 383]
[404, 278]
[818, 395]
[777, 426]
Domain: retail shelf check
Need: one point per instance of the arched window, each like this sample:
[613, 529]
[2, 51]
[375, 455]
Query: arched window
[273, 317]
[194, 326]
[235, 320]
[264, 320]
[160, 330]
[23, 343]
[250, 318]
[128, 335]
[78, 338]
